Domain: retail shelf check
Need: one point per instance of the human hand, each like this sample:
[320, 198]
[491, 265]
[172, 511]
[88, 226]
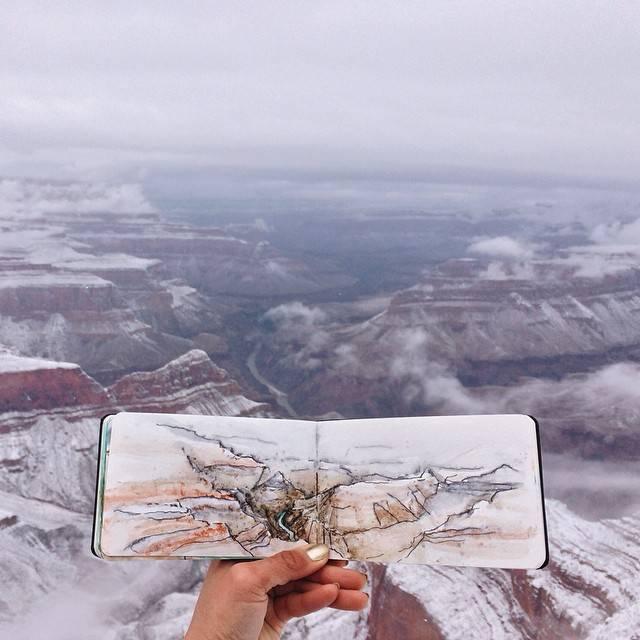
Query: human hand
[254, 600]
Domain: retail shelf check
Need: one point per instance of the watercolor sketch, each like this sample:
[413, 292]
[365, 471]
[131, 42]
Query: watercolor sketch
[461, 490]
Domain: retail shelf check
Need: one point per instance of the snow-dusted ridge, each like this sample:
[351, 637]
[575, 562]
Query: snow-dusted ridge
[12, 363]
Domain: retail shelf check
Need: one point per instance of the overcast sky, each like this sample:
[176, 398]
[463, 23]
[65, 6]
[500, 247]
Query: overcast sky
[134, 90]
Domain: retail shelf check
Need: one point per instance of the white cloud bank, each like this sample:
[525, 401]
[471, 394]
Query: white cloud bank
[502, 247]
[610, 395]
[30, 198]
[301, 329]
[615, 249]
[510, 258]
[617, 233]
[425, 379]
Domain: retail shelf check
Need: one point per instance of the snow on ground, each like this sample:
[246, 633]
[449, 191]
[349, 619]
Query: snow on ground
[13, 363]
[25, 279]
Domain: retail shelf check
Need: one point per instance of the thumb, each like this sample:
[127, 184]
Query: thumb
[288, 565]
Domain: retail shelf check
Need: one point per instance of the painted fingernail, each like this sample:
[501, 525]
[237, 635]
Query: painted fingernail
[318, 552]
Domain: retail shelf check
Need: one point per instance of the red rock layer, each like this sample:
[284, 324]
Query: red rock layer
[48, 388]
[394, 613]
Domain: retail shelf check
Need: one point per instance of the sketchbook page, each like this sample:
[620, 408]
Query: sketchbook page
[461, 490]
[180, 485]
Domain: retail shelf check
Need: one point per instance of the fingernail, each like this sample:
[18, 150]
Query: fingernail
[337, 585]
[317, 552]
[365, 576]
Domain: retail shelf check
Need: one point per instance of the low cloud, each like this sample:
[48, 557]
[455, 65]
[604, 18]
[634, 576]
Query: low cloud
[615, 249]
[407, 359]
[617, 233]
[30, 198]
[346, 360]
[300, 328]
[511, 258]
[296, 317]
[589, 263]
[410, 359]
[504, 247]
[93, 603]
[613, 390]
[426, 380]
[497, 270]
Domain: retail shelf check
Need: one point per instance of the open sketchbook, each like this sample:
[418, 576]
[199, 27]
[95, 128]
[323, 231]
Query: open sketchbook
[459, 490]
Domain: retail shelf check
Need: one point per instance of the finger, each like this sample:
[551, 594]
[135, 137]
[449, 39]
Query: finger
[347, 599]
[294, 605]
[281, 590]
[303, 586]
[263, 575]
[338, 563]
[299, 586]
[350, 600]
[346, 578]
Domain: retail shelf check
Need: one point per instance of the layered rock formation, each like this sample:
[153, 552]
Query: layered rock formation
[524, 323]
[48, 453]
[213, 261]
[190, 383]
[56, 407]
[468, 341]
[120, 294]
[28, 384]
